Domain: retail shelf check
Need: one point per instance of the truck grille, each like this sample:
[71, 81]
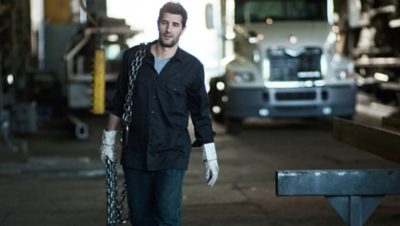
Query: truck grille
[288, 66]
[296, 96]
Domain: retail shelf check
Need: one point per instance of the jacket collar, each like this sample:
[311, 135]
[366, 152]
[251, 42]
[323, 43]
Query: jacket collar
[180, 54]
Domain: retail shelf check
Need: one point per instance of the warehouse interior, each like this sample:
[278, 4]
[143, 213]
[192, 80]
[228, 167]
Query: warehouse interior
[59, 62]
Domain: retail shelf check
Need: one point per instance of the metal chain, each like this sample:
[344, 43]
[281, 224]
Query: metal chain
[115, 204]
[128, 105]
[135, 65]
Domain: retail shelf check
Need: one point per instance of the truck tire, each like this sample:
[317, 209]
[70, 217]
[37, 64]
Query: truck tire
[233, 126]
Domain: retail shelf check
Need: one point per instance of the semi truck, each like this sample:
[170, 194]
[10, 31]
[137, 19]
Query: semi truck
[286, 63]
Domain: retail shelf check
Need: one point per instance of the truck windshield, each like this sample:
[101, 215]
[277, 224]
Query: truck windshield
[259, 11]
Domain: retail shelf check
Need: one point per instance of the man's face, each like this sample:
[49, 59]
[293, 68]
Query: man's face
[170, 29]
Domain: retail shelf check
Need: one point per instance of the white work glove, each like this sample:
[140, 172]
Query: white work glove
[211, 167]
[107, 145]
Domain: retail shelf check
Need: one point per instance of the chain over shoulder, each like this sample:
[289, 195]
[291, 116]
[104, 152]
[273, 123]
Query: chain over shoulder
[115, 204]
[128, 105]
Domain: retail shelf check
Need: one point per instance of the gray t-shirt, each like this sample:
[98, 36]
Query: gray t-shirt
[160, 63]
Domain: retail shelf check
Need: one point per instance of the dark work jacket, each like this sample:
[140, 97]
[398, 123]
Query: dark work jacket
[158, 137]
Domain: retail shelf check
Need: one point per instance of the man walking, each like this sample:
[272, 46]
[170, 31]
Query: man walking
[169, 87]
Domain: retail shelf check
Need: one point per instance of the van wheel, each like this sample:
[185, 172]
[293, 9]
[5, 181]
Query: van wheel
[233, 126]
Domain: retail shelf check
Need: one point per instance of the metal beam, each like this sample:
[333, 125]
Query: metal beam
[337, 182]
[353, 193]
[376, 140]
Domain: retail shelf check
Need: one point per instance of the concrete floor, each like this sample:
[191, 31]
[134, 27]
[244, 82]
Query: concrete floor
[61, 183]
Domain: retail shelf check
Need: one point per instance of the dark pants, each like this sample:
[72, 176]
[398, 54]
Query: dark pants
[154, 197]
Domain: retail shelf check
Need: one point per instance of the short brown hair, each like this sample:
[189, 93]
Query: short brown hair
[173, 8]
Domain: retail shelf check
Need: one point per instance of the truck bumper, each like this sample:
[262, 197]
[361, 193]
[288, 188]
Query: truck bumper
[291, 102]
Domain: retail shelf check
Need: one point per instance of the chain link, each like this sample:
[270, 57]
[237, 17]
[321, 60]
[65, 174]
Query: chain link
[135, 65]
[128, 105]
[115, 204]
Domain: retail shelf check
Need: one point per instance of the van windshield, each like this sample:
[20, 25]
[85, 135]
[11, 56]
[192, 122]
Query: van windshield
[259, 11]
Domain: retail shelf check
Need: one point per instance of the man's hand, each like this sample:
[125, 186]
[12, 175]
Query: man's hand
[107, 145]
[211, 167]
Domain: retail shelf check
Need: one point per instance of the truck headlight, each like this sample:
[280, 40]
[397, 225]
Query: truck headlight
[241, 76]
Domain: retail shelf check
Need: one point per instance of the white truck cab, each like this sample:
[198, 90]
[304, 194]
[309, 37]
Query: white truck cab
[285, 64]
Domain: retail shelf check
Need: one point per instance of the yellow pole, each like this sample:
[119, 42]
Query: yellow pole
[99, 82]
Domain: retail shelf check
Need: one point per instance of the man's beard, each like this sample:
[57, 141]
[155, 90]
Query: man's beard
[170, 44]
